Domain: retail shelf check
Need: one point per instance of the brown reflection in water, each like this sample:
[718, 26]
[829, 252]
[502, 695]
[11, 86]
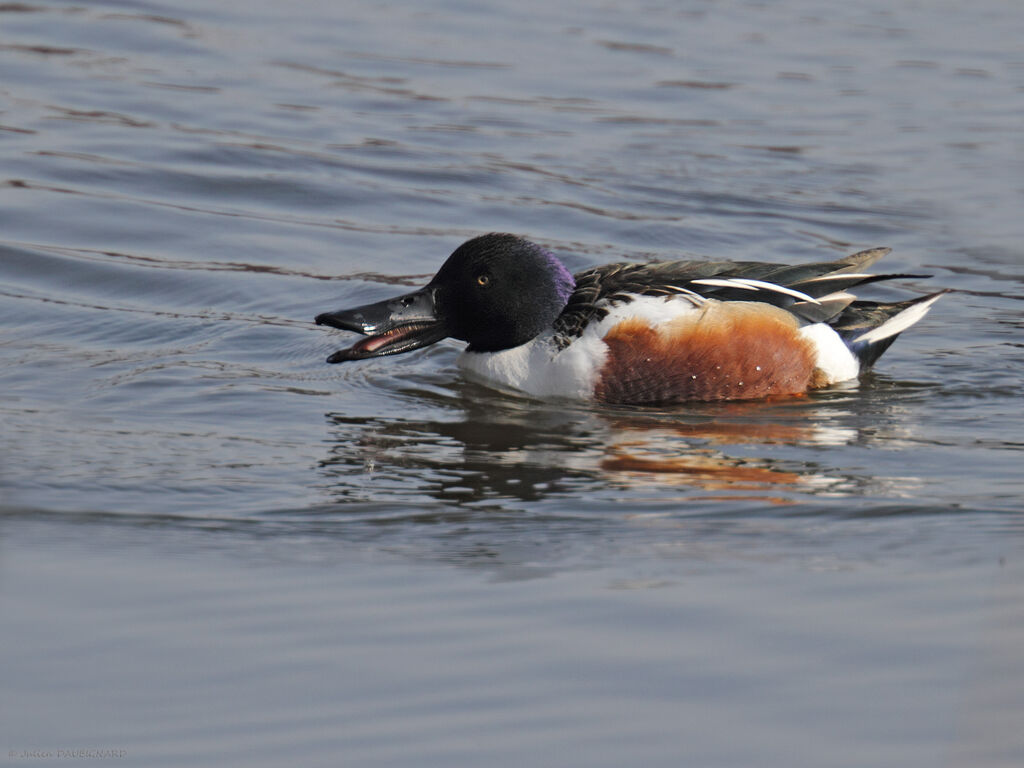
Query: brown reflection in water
[641, 453]
[704, 468]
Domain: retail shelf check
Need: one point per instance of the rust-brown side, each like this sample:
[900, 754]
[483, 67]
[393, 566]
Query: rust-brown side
[728, 351]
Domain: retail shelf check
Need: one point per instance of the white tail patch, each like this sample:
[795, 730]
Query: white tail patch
[898, 323]
[833, 358]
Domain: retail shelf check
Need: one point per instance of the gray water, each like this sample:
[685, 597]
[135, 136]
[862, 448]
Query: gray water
[215, 549]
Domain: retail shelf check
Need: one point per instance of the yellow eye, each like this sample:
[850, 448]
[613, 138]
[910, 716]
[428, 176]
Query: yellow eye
[483, 280]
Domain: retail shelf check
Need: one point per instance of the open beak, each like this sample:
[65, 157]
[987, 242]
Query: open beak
[392, 326]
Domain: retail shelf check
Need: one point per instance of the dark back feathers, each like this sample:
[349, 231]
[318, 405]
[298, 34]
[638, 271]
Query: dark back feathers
[599, 288]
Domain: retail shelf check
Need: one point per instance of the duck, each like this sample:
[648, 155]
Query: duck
[639, 333]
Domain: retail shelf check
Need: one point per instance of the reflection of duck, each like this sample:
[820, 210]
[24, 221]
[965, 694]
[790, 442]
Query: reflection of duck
[500, 449]
[696, 455]
[660, 332]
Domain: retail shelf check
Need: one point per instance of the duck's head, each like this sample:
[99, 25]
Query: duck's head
[496, 291]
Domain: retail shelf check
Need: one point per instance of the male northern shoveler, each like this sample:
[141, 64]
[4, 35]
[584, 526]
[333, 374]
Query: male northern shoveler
[660, 332]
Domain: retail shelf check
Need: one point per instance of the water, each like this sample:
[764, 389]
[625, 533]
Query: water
[214, 548]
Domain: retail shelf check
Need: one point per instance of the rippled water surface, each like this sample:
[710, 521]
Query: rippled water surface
[216, 549]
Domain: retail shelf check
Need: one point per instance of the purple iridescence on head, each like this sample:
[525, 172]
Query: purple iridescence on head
[562, 277]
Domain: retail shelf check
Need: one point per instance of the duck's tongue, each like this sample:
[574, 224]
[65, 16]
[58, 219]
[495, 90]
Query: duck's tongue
[392, 326]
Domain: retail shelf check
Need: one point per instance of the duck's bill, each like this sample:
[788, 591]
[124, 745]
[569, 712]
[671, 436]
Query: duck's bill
[391, 327]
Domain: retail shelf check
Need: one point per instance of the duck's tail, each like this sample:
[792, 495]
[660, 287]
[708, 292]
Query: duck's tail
[869, 328]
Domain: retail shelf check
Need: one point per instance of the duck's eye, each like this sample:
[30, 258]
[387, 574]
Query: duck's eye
[483, 280]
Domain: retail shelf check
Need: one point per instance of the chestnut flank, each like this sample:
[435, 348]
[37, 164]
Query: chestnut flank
[728, 351]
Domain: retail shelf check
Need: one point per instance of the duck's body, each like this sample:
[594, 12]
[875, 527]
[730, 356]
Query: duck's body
[650, 350]
[663, 332]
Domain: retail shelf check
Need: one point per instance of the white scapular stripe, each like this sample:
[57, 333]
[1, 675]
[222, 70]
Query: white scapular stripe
[777, 288]
[754, 285]
[689, 295]
[838, 296]
[722, 283]
[840, 276]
